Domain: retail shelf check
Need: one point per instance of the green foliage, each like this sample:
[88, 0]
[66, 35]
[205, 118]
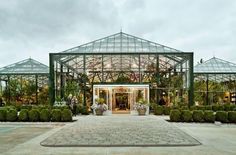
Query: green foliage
[200, 107]
[43, 96]
[175, 115]
[66, 115]
[166, 110]
[71, 87]
[28, 107]
[232, 116]
[217, 107]
[222, 116]
[208, 107]
[158, 110]
[11, 115]
[229, 107]
[45, 115]
[80, 109]
[186, 116]
[193, 108]
[209, 116]
[3, 114]
[123, 79]
[34, 115]
[23, 116]
[56, 115]
[184, 108]
[198, 116]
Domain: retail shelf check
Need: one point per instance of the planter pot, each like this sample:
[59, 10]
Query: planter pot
[142, 112]
[99, 112]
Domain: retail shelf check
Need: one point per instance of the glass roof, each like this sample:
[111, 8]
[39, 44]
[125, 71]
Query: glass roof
[215, 66]
[28, 66]
[121, 43]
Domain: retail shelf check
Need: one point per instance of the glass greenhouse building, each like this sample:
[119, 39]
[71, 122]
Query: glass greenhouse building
[25, 82]
[122, 67]
[215, 81]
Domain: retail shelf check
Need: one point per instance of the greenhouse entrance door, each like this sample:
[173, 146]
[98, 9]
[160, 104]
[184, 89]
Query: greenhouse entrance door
[120, 99]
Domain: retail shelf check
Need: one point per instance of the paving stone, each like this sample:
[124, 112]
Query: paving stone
[120, 131]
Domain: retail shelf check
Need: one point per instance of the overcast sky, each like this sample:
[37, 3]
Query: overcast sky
[34, 28]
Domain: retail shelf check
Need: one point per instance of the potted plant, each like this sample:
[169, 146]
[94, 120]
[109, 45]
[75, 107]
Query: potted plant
[100, 106]
[141, 106]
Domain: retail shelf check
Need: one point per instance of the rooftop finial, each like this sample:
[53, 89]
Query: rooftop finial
[121, 29]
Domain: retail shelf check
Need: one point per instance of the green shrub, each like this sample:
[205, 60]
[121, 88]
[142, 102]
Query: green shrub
[175, 107]
[84, 110]
[222, 116]
[11, 115]
[56, 115]
[45, 115]
[80, 109]
[3, 114]
[23, 116]
[208, 107]
[66, 115]
[215, 107]
[193, 107]
[28, 107]
[166, 110]
[34, 115]
[198, 116]
[184, 108]
[158, 110]
[175, 115]
[221, 108]
[201, 107]
[232, 116]
[229, 107]
[186, 116]
[209, 116]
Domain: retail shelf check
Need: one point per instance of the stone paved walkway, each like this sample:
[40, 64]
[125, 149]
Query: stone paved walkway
[122, 130]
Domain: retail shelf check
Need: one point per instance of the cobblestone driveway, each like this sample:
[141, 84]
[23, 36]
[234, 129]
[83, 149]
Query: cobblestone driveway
[123, 130]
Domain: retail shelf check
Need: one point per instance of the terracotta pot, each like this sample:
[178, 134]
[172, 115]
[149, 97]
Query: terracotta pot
[99, 112]
[142, 111]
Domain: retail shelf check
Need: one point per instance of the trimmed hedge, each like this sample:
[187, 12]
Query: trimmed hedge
[184, 108]
[198, 116]
[232, 116]
[34, 115]
[56, 115]
[66, 115]
[3, 114]
[222, 116]
[23, 116]
[11, 115]
[166, 110]
[158, 110]
[186, 116]
[175, 115]
[208, 107]
[209, 116]
[45, 115]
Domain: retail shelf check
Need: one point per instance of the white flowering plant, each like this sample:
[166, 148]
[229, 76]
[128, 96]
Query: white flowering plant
[141, 105]
[100, 105]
